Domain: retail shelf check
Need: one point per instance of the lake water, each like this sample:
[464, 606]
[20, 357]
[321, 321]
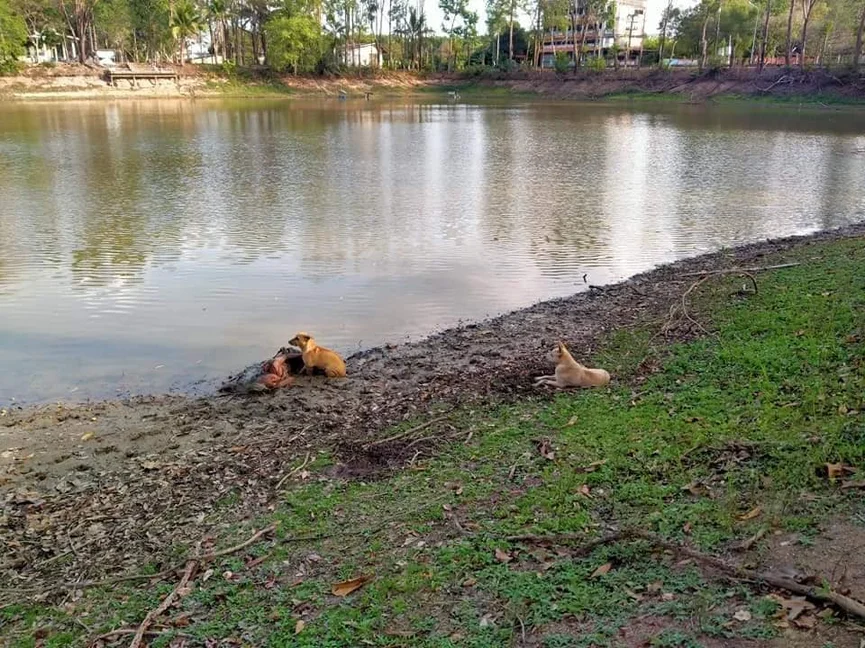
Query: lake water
[148, 245]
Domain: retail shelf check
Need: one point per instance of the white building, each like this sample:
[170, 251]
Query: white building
[360, 55]
[626, 31]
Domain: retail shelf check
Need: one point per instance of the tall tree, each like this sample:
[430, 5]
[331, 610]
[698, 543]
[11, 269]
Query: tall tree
[79, 15]
[13, 33]
[857, 51]
[668, 20]
[186, 23]
[807, 7]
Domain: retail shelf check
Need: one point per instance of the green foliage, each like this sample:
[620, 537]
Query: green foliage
[185, 22]
[10, 67]
[562, 63]
[596, 64]
[293, 43]
[13, 36]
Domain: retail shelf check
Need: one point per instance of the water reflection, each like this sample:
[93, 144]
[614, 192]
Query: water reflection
[147, 244]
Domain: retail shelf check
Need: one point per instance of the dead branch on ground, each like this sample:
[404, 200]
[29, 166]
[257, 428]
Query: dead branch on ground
[819, 594]
[700, 273]
[138, 639]
[406, 433]
[292, 472]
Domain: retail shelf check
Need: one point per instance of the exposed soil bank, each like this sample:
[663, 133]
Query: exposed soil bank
[144, 474]
[819, 86]
[688, 85]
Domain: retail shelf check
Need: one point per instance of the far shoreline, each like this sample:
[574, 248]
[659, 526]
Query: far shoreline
[772, 86]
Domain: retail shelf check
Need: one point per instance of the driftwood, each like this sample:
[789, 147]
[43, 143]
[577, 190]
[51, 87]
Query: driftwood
[822, 595]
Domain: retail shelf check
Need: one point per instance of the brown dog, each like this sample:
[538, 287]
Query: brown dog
[570, 373]
[316, 357]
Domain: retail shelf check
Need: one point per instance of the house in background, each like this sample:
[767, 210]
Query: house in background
[627, 32]
[360, 55]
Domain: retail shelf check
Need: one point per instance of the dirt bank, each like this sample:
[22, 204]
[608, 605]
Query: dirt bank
[125, 481]
[80, 82]
[685, 84]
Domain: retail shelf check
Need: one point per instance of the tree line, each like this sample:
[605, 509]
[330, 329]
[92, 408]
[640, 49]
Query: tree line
[318, 35]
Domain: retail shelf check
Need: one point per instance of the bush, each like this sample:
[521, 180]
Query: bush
[562, 63]
[10, 67]
[596, 64]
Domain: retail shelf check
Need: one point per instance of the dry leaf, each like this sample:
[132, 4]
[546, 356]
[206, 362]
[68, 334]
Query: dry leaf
[470, 582]
[805, 622]
[632, 594]
[584, 490]
[695, 488]
[750, 515]
[850, 485]
[742, 615]
[836, 470]
[592, 467]
[794, 606]
[87, 436]
[345, 588]
[150, 465]
[299, 626]
[503, 556]
[668, 596]
[546, 450]
[603, 569]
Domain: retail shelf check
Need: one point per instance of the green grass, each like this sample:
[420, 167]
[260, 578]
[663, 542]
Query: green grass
[742, 418]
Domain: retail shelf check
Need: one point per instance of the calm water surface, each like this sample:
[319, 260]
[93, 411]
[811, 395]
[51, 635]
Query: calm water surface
[147, 245]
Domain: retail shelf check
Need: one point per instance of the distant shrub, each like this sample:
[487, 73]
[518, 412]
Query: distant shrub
[10, 67]
[596, 64]
[562, 63]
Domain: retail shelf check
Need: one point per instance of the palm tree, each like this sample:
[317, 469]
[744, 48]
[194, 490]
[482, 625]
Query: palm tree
[217, 11]
[417, 28]
[185, 23]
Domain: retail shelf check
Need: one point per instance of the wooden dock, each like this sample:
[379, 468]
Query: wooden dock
[134, 73]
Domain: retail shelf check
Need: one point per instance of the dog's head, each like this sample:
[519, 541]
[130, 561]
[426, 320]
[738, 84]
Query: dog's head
[560, 351]
[300, 340]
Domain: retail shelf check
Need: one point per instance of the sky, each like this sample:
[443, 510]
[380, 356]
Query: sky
[435, 16]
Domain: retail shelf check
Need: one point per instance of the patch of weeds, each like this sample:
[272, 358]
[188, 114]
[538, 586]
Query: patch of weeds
[673, 639]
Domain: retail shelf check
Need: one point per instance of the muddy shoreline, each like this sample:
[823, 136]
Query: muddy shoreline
[125, 481]
[73, 82]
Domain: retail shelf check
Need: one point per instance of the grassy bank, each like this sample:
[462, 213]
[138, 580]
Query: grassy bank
[707, 441]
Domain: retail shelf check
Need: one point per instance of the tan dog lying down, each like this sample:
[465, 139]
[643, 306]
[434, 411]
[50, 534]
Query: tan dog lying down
[570, 373]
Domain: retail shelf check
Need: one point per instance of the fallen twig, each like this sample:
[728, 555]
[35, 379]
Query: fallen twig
[406, 433]
[124, 631]
[137, 640]
[823, 595]
[171, 570]
[292, 472]
[230, 550]
[782, 79]
[737, 270]
[72, 550]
